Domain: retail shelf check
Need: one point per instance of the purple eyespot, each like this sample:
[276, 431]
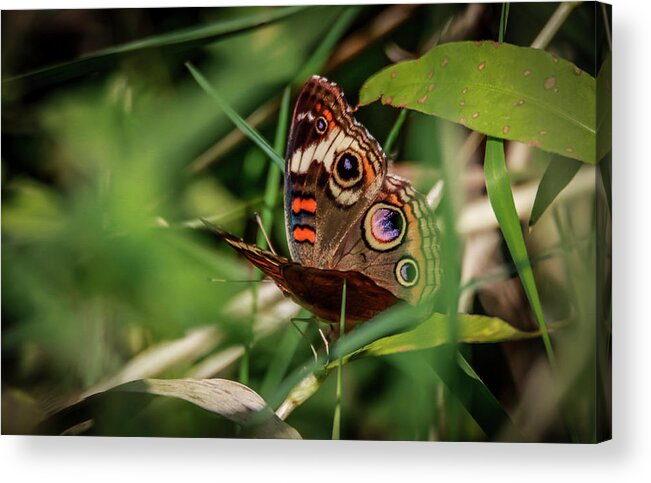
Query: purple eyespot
[386, 224]
[384, 227]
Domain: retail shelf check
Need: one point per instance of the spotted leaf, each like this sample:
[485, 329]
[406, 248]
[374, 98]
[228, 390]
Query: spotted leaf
[502, 90]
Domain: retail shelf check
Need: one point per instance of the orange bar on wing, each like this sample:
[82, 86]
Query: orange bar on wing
[303, 204]
[308, 204]
[302, 234]
[296, 205]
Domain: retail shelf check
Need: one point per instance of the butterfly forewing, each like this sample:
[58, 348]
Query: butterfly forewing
[334, 171]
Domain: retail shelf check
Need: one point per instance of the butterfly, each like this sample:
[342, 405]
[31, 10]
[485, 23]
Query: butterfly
[346, 218]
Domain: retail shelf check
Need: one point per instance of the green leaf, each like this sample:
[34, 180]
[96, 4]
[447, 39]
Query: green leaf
[174, 41]
[558, 174]
[250, 132]
[435, 332]
[502, 90]
[498, 186]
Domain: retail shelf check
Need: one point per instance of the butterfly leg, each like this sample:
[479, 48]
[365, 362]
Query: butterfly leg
[306, 319]
[325, 343]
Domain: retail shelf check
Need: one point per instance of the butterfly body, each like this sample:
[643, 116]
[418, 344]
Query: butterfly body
[346, 218]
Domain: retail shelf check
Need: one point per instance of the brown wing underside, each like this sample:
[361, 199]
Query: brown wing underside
[320, 292]
[317, 290]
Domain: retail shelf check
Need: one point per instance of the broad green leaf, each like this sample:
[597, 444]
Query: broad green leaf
[502, 90]
[435, 332]
[558, 174]
[174, 41]
[498, 186]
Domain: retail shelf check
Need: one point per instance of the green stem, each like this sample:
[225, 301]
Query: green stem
[503, 19]
[395, 130]
[273, 177]
[336, 423]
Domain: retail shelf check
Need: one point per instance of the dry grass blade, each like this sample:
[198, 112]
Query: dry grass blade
[229, 399]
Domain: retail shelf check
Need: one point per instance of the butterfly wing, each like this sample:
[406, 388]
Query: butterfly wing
[333, 171]
[270, 263]
[318, 290]
[395, 243]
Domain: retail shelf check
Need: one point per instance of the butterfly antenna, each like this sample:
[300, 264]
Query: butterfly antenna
[223, 280]
[264, 233]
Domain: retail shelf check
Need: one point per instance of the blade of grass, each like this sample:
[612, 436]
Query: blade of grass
[558, 174]
[498, 186]
[482, 405]
[395, 130]
[250, 132]
[504, 15]
[280, 361]
[387, 21]
[270, 199]
[336, 423]
[318, 59]
[173, 41]
[313, 65]
[273, 176]
[398, 318]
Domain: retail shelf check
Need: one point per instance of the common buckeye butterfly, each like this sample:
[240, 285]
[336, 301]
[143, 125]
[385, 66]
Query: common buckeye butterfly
[347, 218]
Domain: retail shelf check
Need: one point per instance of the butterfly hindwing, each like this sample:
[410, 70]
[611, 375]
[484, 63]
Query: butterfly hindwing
[334, 170]
[395, 243]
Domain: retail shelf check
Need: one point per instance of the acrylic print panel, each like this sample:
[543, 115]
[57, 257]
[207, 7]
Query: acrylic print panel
[323, 222]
